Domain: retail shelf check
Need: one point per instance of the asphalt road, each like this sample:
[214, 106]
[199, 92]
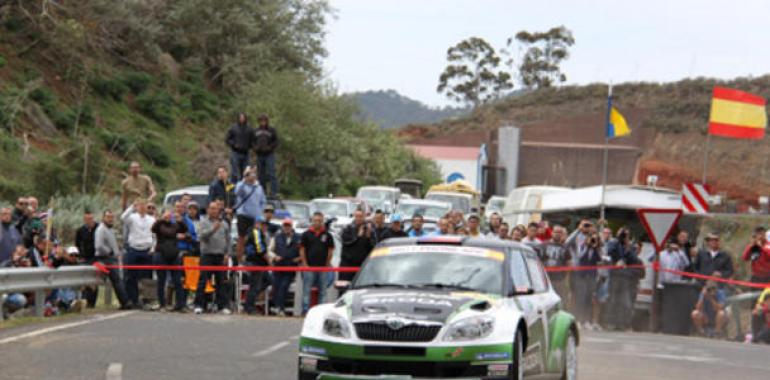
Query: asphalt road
[141, 345]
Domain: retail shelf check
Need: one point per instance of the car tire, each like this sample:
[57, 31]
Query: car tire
[517, 367]
[569, 363]
[302, 375]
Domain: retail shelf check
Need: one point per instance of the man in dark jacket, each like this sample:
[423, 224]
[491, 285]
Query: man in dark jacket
[9, 235]
[84, 241]
[713, 261]
[396, 229]
[222, 188]
[265, 142]
[239, 139]
[256, 256]
[357, 242]
[286, 248]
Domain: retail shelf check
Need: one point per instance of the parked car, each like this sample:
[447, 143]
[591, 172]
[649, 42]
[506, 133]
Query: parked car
[300, 212]
[443, 307]
[495, 203]
[339, 209]
[199, 193]
[459, 201]
[360, 204]
[382, 198]
[431, 212]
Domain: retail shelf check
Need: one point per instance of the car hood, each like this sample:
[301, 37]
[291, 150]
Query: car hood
[413, 304]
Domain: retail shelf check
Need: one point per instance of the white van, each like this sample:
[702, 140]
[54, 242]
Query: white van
[522, 203]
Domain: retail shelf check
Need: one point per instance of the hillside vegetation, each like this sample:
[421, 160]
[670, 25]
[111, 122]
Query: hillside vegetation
[389, 109]
[675, 114]
[87, 86]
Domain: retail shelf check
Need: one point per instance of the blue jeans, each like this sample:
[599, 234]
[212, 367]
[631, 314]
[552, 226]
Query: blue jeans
[180, 297]
[309, 281]
[281, 283]
[67, 295]
[15, 301]
[238, 163]
[135, 257]
[266, 170]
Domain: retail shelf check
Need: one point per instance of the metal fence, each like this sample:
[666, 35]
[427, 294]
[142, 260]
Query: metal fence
[38, 280]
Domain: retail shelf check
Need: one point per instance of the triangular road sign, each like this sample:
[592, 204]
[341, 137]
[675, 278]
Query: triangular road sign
[659, 224]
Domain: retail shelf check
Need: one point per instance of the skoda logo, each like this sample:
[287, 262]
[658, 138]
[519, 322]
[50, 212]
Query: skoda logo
[395, 323]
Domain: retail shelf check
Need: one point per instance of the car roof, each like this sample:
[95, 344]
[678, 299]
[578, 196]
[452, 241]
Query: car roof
[297, 203]
[387, 188]
[427, 202]
[197, 189]
[480, 242]
[332, 200]
[452, 193]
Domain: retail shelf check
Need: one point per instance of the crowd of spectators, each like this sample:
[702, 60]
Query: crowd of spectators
[599, 298]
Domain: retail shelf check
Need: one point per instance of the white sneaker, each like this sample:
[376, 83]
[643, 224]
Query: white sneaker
[226, 311]
[198, 310]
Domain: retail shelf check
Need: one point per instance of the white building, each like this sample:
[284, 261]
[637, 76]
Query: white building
[453, 160]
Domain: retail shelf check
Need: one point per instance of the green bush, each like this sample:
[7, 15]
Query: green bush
[158, 106]
[155, 153]
[52, 176]
[117, 143]
[11, 188]
[64, 120]
[111, 88]
[45, 98]
[136, 81]
[2, 61]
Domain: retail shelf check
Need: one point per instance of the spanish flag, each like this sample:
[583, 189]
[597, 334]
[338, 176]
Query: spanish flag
[737, 114]
[616, 125]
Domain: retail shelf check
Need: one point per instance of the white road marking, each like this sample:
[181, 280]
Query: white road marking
[274, 347]
[115, 371]
[65, 326]
[689, 358]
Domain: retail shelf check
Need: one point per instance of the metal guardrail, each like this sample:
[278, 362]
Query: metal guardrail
[38, 280]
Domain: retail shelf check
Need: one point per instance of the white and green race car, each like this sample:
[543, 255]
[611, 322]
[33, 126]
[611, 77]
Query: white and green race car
[443, 307]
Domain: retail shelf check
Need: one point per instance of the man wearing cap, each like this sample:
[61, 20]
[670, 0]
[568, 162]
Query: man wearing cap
[712, 261]
[265, 143]
[272, 229]
[395, 230]
[256, 256]
[67, 297]
[249, 204]
[709, 316]
[357, 242]
[285, 247]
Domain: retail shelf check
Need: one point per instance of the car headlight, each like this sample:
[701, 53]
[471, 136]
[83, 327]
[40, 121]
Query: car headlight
[470, 328]
[336, 326]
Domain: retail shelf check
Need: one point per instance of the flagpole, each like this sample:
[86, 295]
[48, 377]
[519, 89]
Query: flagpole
[606, 151]
[706, 156]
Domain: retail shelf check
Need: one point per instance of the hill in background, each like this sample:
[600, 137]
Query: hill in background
[668, 124]
[389, 109]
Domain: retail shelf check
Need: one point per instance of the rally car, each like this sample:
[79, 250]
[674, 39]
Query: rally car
[442, 307]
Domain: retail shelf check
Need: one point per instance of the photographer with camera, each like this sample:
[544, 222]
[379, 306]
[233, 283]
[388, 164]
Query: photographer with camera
[584, 281]
[709, 316]
[623, 282]
[357, 242]
[758, 253]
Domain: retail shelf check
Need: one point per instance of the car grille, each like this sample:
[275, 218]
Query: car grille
[381, 332]
[422, 369]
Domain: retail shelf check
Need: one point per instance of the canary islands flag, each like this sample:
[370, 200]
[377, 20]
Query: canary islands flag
[616, 124]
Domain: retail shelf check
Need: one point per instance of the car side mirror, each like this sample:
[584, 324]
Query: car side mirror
[521, 291]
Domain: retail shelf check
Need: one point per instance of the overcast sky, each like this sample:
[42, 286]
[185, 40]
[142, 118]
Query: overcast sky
[401, 44]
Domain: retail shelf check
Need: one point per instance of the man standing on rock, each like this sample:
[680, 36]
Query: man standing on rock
[265, 143]
[136, 186]
[239, 139]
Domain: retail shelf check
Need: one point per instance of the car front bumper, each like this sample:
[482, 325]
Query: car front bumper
[320, 359]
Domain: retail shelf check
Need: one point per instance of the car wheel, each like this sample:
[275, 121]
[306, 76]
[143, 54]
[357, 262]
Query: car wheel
[570, 365]
[517, 369]
[301, 375]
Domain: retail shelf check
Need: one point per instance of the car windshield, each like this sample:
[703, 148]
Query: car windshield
[428, 211]
[433, 269]
[201, 199]
[331, 208]
[377, 195]
[298, 211]
[496, 205]
[458, 202]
